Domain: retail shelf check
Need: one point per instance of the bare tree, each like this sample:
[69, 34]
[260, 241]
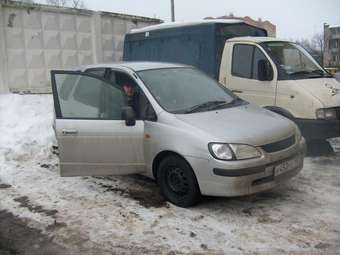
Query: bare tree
[318, 43]
[25, 1]
[60, 3]
[315, 46]
[67, 3]
[306, 44]
[78, 4]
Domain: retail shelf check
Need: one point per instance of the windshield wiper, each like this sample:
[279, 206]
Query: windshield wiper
[318, 71]
[314, 73]
[322, 73]
[206, 105]
[300, 72]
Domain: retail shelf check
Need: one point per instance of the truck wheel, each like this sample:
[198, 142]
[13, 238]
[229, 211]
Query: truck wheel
[178, 182]
[319, 147]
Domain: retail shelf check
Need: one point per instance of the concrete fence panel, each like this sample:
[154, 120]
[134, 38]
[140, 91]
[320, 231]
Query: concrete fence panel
[37, 38]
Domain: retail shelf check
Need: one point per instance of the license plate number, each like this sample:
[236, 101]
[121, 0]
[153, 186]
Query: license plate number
[286, 166]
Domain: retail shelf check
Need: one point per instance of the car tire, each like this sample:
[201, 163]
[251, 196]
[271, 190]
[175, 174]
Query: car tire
[178, 182]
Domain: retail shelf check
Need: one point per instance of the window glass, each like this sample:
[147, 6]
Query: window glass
[179, 89]
[88, 91]
[258, 55]
[293, 59]
[67, 86]
[241, 63]
[134, 95]
[97, 71]
[92, 98]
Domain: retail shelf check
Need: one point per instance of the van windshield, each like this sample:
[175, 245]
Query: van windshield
[186, 90]
[294, 60]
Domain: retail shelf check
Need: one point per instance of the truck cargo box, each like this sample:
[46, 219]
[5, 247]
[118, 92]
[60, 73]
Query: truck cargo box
[199, 44]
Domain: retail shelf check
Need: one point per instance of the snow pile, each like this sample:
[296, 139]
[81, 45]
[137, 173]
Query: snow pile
[25, 127]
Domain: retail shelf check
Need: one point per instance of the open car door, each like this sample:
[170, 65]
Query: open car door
[93, 138]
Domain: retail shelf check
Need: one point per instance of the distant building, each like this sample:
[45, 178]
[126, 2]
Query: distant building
[332, 45]
[267, 25]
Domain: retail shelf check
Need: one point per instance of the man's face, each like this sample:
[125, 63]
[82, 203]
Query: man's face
[129, 90]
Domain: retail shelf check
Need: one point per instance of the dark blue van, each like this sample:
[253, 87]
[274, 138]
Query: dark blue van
[199, 44]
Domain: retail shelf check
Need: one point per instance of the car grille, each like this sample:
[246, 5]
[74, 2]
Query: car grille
[280, 145]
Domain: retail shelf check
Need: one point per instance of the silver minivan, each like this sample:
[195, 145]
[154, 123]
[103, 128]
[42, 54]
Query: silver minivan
[174, 124]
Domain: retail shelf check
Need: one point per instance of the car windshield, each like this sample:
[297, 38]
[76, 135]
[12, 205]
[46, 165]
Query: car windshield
[186, 90]
[294, 60]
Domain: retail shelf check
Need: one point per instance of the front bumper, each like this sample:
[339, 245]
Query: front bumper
[318, 129]
[247, 176]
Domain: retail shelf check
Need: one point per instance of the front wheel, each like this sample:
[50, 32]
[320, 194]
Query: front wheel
[178, 182]
[319, 147]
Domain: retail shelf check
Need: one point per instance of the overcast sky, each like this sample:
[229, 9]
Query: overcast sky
[294, 19]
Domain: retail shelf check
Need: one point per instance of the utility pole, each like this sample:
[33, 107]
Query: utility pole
[172, 10]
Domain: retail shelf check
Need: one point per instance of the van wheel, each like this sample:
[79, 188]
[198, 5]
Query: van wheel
[178, 182]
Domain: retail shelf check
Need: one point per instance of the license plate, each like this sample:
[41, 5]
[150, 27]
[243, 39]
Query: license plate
[287, 166]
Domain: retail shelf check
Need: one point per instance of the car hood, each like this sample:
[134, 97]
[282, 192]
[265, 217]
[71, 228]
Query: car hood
[248, 124]
[327, 90]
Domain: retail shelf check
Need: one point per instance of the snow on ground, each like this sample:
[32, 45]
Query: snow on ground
[97, 215]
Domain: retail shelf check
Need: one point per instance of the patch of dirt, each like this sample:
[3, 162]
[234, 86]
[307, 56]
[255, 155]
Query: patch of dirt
[322, 246]
[48, 166]
[16, 238]
[266, 218]
[144, 197]
[4, 186]
[24, 202]
[56, 225]
[279, 195]
[55, 150]
[143, 189]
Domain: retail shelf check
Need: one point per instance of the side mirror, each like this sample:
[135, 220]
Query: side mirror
[150, 113]
[128, 114]
[151, 116]
[264, 70]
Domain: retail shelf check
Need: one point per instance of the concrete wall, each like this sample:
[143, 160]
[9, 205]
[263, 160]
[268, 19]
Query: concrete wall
[37, 38]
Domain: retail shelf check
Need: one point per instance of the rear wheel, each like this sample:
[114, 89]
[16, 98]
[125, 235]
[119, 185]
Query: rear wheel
[178, 182]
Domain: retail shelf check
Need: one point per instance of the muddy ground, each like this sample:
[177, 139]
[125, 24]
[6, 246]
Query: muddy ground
[301, 217]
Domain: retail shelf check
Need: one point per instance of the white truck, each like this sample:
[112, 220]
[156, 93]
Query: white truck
[276, 74]
[283, 77]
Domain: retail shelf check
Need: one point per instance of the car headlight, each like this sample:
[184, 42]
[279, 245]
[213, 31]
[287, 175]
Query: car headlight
[325, 113]
[225, 151]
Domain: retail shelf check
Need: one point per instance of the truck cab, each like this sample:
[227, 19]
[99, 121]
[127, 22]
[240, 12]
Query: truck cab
[283, 77]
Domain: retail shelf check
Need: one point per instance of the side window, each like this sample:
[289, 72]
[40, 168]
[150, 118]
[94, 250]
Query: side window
[97, 71]
[258, 55]
[242, 60]
[135, 97]
[88, 91]
[92, 98]
[67, 86]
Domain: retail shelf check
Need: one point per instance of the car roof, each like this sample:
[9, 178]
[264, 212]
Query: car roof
[256, 39]
[135, 65]
[184, 24]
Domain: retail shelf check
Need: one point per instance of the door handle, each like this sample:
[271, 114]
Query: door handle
[69, 132]
[236, 91]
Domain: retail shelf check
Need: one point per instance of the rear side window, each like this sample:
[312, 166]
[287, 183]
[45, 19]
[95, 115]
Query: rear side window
[242, 60]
